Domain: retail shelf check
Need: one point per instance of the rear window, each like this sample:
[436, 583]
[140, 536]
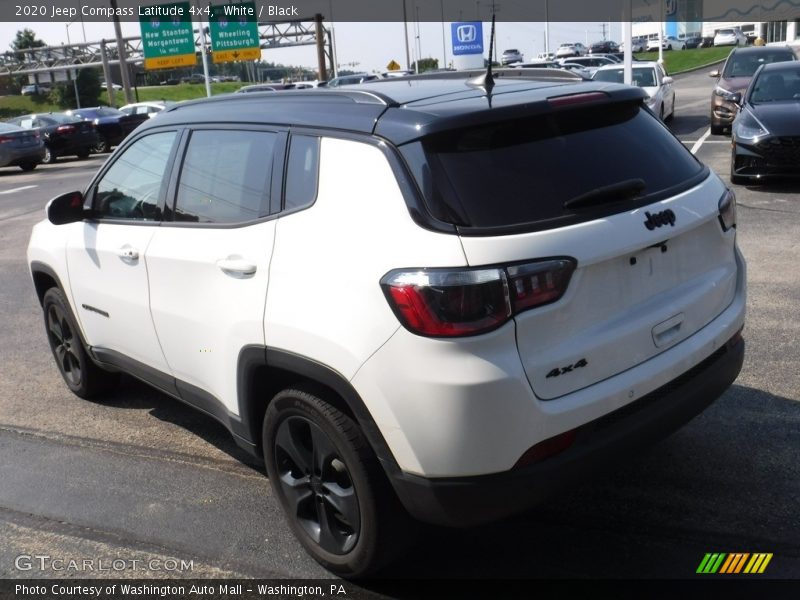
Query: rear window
[521, 173]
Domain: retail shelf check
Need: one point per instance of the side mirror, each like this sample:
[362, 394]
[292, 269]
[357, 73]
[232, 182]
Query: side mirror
[66, 208]
[667, 80]
[714, 73]
[736, 98]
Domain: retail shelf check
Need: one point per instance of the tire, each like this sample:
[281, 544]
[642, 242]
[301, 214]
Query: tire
[333, 491]
[84, 153]
[717, 129]
[49, 156]
[84, 378]
[28, 166]
[101, 147]
[661, 112]
[672, 112]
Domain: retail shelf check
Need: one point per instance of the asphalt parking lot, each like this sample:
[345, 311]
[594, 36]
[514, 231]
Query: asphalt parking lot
[140, 476]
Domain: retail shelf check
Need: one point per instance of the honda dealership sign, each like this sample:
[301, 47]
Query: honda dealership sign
[467, 38]
[467, 44]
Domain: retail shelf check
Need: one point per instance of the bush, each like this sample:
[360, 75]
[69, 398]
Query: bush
[63, 93]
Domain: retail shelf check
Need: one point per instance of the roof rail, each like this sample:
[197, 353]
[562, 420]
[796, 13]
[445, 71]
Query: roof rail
[321, 94]
[543, 74]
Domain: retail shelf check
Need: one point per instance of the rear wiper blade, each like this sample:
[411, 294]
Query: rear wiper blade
[608, 194]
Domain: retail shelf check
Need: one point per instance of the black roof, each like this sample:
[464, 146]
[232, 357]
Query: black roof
[399, 109]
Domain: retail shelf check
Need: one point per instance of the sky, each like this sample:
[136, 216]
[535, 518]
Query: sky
[370, 45]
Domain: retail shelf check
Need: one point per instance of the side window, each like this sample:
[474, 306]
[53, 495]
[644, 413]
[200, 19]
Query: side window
[302, 172]
[130, 189]
[226, 177]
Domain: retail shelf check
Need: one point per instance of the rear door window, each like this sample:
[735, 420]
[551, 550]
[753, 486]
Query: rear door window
[526, 171]
[226, 176]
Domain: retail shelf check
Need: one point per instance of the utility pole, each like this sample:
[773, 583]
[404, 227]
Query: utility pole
[123, 63]
[405, 29]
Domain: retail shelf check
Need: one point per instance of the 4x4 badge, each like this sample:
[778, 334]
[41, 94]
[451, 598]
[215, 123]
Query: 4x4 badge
[666, 217]
[568, 369]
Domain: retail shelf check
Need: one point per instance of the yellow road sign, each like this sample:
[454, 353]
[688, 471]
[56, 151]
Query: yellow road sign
[240, 54]
[393, 66]
[169, 62]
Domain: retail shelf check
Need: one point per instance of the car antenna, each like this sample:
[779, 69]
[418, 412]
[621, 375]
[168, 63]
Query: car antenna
[486, 81]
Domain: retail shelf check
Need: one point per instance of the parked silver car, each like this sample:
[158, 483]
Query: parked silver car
[511, 56]
[20, 147]
[650, 76]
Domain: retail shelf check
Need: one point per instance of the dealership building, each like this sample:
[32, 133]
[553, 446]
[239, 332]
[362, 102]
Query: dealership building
[690, 18]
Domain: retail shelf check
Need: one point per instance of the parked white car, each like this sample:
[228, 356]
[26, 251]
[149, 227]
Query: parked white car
[650, 76]
[151, 109]
[667, 43]
[571, 49]
[732, 36]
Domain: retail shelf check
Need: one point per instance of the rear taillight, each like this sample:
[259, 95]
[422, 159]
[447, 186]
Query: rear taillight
[727, 210]
[462, 302]
[4, 139]
[65, 128]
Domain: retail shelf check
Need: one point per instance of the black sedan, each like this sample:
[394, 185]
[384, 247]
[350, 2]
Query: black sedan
[766, 132]
[693, 42]
[20, 147]
[62, 134]
[112, 125]
[604, 47]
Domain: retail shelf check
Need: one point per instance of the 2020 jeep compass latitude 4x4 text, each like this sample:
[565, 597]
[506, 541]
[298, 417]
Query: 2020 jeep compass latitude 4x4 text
[397, 295]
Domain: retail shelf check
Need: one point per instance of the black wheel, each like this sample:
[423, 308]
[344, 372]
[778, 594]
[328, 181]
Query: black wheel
[717, 129]
[49, 156]
[101, 147]
[81, 375]
[83, 153]
[28, 166]
[335, 496]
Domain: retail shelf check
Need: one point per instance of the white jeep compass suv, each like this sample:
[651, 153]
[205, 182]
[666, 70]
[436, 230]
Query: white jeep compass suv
[399, 296]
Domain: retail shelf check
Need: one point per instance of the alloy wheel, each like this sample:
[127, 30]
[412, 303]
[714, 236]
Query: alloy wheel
[317, 485]
[65, 345]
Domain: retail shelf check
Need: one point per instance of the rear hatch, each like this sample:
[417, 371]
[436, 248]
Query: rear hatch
[609, 187]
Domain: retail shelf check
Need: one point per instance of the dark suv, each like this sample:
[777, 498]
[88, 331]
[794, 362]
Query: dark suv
[739, 69]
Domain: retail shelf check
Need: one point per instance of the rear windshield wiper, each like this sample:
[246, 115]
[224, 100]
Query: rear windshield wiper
[608, 194]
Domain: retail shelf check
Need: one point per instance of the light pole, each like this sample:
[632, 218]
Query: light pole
[444, 46]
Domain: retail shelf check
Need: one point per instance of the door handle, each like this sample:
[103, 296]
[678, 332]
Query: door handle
[237, 267]
[128, 253]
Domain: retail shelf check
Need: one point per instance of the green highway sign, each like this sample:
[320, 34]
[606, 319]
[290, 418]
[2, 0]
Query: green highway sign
[234, 32]
[167, 36]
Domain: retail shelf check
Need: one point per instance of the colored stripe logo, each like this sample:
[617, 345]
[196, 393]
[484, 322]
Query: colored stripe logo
[734, 563]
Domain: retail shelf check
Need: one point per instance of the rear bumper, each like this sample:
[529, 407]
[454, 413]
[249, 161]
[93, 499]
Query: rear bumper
[16, 156]
[469, 501]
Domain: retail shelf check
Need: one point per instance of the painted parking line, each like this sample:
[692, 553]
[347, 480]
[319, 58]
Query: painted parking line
[699, 143]
[19, 189]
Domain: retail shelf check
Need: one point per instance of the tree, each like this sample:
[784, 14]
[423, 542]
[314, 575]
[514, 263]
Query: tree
[88, 80]
[26, 38]
[426, 64]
